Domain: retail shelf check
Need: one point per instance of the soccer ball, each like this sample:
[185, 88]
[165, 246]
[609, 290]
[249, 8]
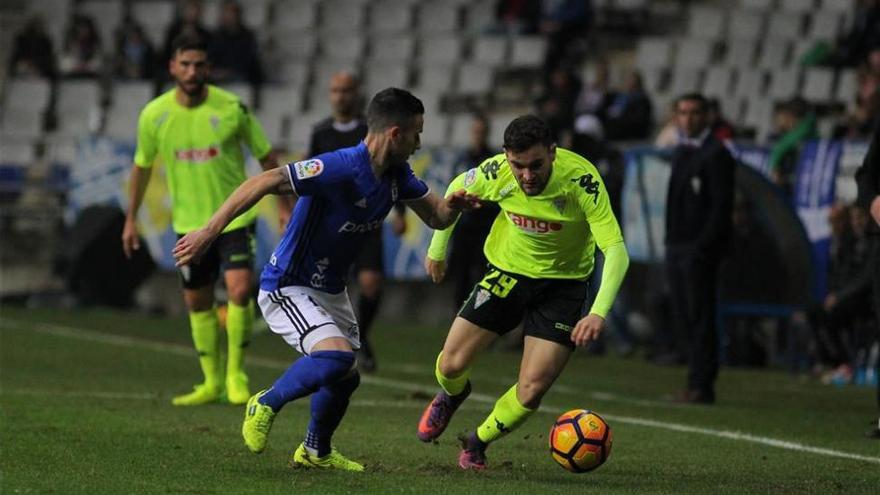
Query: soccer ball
[580, 441]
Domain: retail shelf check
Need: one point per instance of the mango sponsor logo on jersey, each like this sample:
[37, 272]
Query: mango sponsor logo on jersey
[360, 228]
[198, 155]
[308, 168]
[533, 225]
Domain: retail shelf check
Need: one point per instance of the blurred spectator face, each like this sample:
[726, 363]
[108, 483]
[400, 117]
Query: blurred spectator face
[343, 94]
[784, 120]
[189, 68]
[532, 167]
[690, 117]
[230, 16]
[479, 133]
[192, 12]
[633, 83]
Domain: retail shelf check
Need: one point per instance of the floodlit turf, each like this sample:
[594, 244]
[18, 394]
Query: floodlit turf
[85, 400]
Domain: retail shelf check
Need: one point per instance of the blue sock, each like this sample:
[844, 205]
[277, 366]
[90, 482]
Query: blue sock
[328, 407]
[306, 375]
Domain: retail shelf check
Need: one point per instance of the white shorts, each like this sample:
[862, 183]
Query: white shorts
[304, 316]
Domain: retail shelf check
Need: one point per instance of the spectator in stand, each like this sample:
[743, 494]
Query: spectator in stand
[516, 17]
[134, 57]
[189, 21]
[630, 113]
[864, 34]
[233, 48]
[32, 52]
[595, 96]
[859, 124]
[81, 55]
[556, 106]
[795, 123]
[561, 22]
[467, 263]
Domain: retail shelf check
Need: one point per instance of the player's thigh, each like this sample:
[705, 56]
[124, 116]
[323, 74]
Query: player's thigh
[198, 279]
[541, 364]
[297, 316]
[554, 308]
[464, 341]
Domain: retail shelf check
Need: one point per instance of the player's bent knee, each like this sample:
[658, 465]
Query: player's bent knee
[332, 366]
[452, 364]
[239, 295]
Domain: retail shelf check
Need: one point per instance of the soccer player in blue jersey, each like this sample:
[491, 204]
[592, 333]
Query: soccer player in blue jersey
[342, 196]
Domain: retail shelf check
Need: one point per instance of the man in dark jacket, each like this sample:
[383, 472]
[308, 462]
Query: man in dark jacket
[698, 223]
[868, 179]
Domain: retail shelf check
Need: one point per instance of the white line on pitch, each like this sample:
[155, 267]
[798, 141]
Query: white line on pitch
[181, 350]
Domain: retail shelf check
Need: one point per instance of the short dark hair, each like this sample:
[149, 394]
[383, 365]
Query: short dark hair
[393, 107]
[697, 97]
[526, 131]
[188, 41]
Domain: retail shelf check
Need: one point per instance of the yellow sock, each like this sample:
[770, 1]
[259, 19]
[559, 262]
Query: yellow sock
[239, 323]
[205, 328]
[451, 385]
[507, 415]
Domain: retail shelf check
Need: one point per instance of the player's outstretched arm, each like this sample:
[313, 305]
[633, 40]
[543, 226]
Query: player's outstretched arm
[285, 203]
[439, 213]
[140, 177]
[194, 244]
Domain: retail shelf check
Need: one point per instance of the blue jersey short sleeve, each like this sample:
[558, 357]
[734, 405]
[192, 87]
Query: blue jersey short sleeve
[310, 177]
[411, 186]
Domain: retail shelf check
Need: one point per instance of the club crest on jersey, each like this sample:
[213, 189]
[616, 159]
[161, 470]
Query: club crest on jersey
[470, 178]
[533, 225]
[308, 168]
[481, 297]
[215, 121]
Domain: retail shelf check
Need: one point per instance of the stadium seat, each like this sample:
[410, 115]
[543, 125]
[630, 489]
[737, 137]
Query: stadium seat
[757, 4]
[802, 6]
[842, 6]
[693, 53]
[497, 124]
[378, 77]
[392, 48]
[654, 79]
[435, 131]
[154, 17]
[474, 79]
[127, 101]
[528, 52]
[460, 131]
[273, 125]
[293, 73]
[342, 16]
[342, 47]
[436, 79]
[389, 16]
[847, 86]
[784, 83]
[243, 90]
[774, 53]
[256, 14]
[440, 49]
[301, 129]
[17, 152]
[750, 83]
[22, 93]
[747, 25]
[653, 52]
[294, 44]
[825, 25]
[740, 53]
[490, 50]
[684, 80]
[324, 69]
[717, 82]
[78, 107]
[479, 16]
[786, 26]
[759, 116]
[707, 22]
[438, 17]
[281, 99]
[23, 123]
[294, 15]
[818, 84]
[56, 14]
[317, 103]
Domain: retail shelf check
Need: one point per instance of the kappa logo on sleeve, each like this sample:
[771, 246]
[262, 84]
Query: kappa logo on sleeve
[308, 168]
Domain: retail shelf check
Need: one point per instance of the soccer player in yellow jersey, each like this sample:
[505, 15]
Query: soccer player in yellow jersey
[196, 130]
[554, 212]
